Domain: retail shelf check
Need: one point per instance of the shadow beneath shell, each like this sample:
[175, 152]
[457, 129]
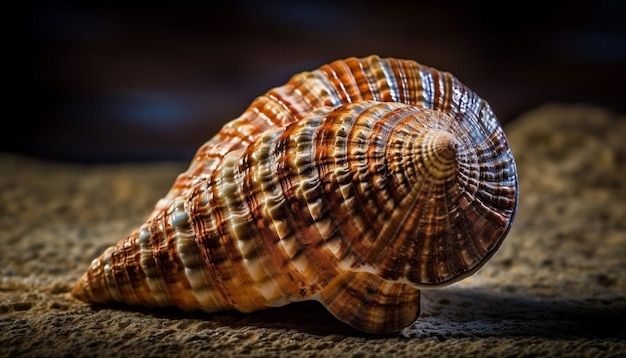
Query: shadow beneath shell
[447, 313]
[463, 312]
[308, 317]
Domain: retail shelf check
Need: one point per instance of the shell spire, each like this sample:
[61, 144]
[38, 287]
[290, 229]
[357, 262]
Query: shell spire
[356, 185]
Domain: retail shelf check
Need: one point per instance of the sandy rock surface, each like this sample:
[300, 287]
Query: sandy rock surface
[557, 286]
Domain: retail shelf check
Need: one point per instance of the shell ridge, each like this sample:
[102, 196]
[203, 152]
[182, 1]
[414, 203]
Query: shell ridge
[398, 90]
[342, 79]
[169, 279]
[364, 74]
[427, 88]
[243, 291]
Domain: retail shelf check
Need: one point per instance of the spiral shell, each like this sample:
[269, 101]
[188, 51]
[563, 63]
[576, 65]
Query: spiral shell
[355, 185]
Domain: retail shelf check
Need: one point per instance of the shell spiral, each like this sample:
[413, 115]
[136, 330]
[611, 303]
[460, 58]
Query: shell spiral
[356, 185]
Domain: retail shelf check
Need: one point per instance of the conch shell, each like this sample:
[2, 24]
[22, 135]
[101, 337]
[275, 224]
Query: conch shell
[355, 185]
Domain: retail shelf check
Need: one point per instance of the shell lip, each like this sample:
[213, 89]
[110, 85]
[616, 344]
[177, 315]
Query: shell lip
[481, 263]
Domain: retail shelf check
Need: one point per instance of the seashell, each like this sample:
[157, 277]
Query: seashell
[357, 185]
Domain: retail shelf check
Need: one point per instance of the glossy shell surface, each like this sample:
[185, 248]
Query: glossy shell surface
[355, 185]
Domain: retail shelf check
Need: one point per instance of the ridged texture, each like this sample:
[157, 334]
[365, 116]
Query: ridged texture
[354, 185]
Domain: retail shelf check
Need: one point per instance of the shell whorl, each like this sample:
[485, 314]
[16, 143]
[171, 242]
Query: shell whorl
[355, 185]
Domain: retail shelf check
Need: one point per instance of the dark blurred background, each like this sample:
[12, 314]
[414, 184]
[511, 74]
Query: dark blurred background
[151, 81]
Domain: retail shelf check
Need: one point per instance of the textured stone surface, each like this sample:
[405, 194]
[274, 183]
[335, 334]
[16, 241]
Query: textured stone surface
[555, 286]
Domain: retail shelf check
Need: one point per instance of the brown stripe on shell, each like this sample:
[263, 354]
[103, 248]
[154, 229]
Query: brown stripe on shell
[308, 196]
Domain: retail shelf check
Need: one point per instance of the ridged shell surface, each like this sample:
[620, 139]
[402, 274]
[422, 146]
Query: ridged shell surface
[355, 185]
